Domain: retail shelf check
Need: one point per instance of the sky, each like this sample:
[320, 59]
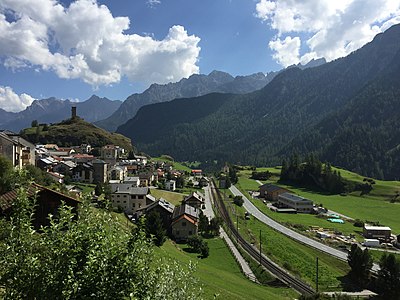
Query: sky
[114, 48]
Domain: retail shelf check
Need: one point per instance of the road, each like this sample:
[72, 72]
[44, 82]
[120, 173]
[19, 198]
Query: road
[251, 208]
[286, 231]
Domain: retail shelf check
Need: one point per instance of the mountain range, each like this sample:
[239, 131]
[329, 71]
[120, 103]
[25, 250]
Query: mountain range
[346, 111]
[54, 110]
[194, 86]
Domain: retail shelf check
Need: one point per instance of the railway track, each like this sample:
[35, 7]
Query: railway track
[272, 267]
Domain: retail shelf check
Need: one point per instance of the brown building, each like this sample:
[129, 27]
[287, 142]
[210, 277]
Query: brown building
[271, 191]
[47, 202]
[165, 210]
[184, 222]
[377, 232]
[195, 200]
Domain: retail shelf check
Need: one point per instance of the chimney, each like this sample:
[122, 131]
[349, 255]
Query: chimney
[73, 112]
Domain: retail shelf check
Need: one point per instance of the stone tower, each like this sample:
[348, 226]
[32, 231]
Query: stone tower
[73, 112]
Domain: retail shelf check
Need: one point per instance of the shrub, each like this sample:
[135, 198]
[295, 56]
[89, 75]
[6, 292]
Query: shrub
[238, 200]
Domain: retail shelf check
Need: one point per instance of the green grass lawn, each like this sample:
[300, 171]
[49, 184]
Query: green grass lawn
[376, 254]
[220, 275]
[172, 197]
[372, 207]
[86, 187]
[297, 258]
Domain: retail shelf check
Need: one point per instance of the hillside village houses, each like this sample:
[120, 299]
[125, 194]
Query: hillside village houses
[18, 150]
[129, 179]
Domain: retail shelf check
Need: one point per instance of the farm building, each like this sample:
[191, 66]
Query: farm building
[298, 203]
[377, 232]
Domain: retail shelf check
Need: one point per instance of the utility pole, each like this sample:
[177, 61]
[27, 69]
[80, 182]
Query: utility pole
[316, 276]
[260, 247]
[237, 229]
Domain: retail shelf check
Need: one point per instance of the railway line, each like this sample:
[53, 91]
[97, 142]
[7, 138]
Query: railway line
[272, 267]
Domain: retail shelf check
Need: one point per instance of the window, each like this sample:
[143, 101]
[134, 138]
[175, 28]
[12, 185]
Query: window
[183, 223]
[117, 196]
[190, 232]
[124, 201]
[124, 196]
[133, 204]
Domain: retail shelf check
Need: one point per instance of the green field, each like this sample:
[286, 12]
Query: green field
[377, 254]
[293, 256]
[374, 207]
[172, 197]
[86, 187]
[220, 276]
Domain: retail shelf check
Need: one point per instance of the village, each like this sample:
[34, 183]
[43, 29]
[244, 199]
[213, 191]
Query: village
[129, 181]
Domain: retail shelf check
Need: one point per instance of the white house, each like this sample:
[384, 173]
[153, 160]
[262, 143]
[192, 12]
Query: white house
[170, 185]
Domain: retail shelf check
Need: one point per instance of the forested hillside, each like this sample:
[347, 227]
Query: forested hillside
[363, 135]
[194, 86]
[260, 127]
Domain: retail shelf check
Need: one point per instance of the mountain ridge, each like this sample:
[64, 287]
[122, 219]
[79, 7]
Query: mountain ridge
[52, 110]
[254, 128]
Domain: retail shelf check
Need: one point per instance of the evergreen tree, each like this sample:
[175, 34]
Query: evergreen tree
[155, 228]
[203, 223]
[360, 262]
[389, 276]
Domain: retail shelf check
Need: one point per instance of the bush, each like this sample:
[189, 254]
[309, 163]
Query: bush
[90, 257]
[198, 245]
[238, 200]
[358, 223]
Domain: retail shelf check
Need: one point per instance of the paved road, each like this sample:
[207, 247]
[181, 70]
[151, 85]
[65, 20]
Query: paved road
[294, 235]
[251, 208]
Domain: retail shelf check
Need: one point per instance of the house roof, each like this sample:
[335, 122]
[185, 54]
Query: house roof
[185, 210]
[187, 218]
[69, 164]
[194, 196]
[271, 187]
[128, 189]
[7, 199]
[293, 198]
[378, 228]
[163, 204]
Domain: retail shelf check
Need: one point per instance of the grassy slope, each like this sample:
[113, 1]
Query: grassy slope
[77, 132]
[295, 257]
[172, 197]
[220, 275]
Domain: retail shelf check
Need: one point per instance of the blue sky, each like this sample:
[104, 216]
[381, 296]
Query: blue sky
[73, 49]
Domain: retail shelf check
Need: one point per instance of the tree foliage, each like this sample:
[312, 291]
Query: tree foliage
[314, 174]
[360, 262]
[88, 258]
[7, 175]
[155, 228]
[389, 276]
[198, 245]
[238, 200]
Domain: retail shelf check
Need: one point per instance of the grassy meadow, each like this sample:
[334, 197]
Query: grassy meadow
[374, 207]
[298, 259]
[220, 275]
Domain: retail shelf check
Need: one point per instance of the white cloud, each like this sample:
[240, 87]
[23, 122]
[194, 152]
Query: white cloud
[286, 51]
[153, 3]
[12, 102]
[86, 41]
[332, 28]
